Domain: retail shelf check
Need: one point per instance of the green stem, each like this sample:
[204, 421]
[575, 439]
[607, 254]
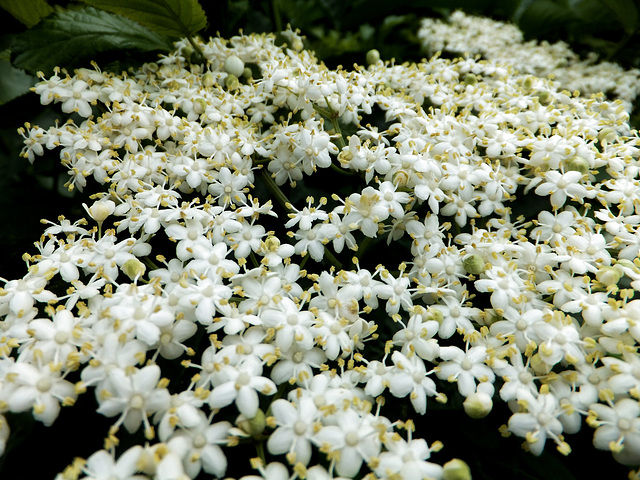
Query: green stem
[284, 201]
[332, 259]
[336, 124]
[260, 451]
[273, 188]
[254, 260]
[277, 21]
[197, 48]
[363, 246]
[342, 171]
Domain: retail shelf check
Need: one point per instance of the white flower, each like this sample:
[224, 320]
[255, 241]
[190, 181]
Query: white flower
[407, 460]
[410, 377]
[354, 440]
[618, 429]
[562, 185]
[134, 397]
[40, 389]
[464, 367]
[295, 428]
[241, 385]
[539, 422]
[101, 465]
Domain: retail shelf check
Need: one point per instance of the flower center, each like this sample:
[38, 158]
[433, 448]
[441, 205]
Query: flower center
[199, 441]
[44, 384]
[352, 439]
[624, 424]
[61, 337]
[300, 427]
[137, 401]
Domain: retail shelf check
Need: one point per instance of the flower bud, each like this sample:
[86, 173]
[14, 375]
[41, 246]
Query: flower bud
[473, 264]
[456, 469]
[234, 66]
[607, 135]
[544, 96]
[231, 82]
[529, 82]
[373, 57]
[252, 426]
[133, 268]
[478, 405]
[470, 79]
[100, 210]
[187, 51]
[247, 73]
[578, 164]
[608, 276]
[199, 105]
[208, 80]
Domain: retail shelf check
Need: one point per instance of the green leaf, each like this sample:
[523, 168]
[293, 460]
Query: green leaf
[13, 82]
[175, 18]
[69, 35]
[27, 12]
[625, 11]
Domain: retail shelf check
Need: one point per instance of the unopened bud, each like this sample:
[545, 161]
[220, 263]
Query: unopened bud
[543, 96]
[234, 66]
[456, 469]
[133, 268]
[578, 164]
[253, 426]
[470, 79]
[100, 210]
[199, 105]
[607, 135]
[231, 82]
[478, 405]
[473, 264]
[208, 80]
[608, 276]
[373, 57]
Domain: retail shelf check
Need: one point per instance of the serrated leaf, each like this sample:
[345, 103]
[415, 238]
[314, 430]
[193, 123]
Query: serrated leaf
[175, 18]
[13, 82]
[625, 11]
[27, 12]
[69, 35]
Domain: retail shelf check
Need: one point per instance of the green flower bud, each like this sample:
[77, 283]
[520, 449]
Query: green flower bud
[456, 469]
[234, 66]
[208, 80]
[478, 405]
[473, 264]
[607, 135]
[133, 268]
[231, 82]
[544, 96]
[199, 105]
[608, 276]
[470, 79]
[253, 426]
[247, 73]
[187, 51]
[100, 210]
[529, 82]
[578, 164]
[373, 57]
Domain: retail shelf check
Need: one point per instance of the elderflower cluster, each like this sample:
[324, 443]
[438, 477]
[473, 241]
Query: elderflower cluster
[504, 43]
[212, 300]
